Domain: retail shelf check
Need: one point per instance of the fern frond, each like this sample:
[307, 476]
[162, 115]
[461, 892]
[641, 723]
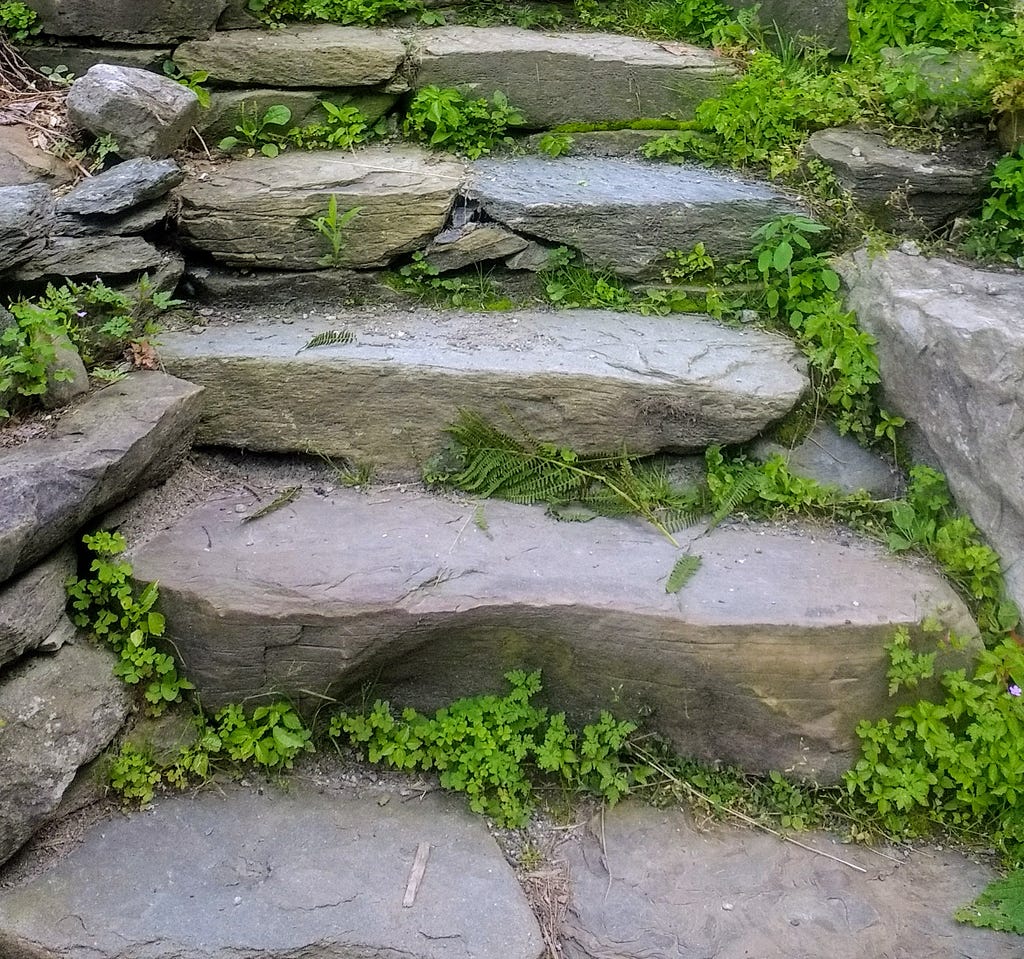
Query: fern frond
[682, 572]
[328, 338]
[741, 489]
[571, 513]
[480, 519]
[681, 518]
[286, 496]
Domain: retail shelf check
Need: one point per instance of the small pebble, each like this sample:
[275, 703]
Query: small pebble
[240, 507]
[910, 248]
[727, 906]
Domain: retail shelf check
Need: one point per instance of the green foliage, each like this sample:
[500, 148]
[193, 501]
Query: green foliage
[445, 118]
[333, 11]
[684, 570]
[134, 776]
[569, 283]
[332, 226]
[328, 338]
[342, 128]
[194, 81]
[271, 736]
[28, 349]
[493, 748]
[952, 24]
[107, 605]
[999, 232]
[555, 144]
[265, 132]
[701, 21]
[469, 291]
[18, 20]
[1000, 906]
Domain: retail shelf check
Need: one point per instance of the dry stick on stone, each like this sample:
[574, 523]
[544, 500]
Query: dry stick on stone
[419, 867]
[287, 496]
[742, 817]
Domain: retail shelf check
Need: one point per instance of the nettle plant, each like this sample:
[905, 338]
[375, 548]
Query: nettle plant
[444, 117]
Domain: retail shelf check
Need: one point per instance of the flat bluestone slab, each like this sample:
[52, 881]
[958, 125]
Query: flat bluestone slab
[256, 212]
[56, 713]
[951, 352]
[648, 883]
[320, 56]
[90, 257]
[625, 214]
[596, 381]
[115, 443]
[280, 874]
[768, 658]
[554, 78]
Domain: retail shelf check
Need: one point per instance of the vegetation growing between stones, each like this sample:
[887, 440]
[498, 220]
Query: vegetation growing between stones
[443, 117]
[18, 20]
[999, 232]
[474, 291]
[1000, 906]
[342, 128]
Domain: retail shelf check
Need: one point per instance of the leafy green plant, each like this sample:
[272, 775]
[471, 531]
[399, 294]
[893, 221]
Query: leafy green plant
[28, 350]
[445, 118]
[334, 11]
[265, 132]
[194, 81]
[332, 226]
[1000, 905]
[555, 144]
[472, 290]
[999, 232]
[107, 605]
[703, 21]
[343, 127]
[952, 24]
[18, 20]
[569, 282]
[493, 748]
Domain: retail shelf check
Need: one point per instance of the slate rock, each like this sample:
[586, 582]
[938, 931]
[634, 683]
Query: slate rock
[835, 460]
[22, 162]
[951, 352]
[88, 257]
[554, 78]
[122, 187]
[211, 284]
[56, 713]
[146, 113]
[256, 212]
[903, 190]
[768, 658]
[623, 215]
[73, 379]
[586, 379]
[32, 606]
[128, 21]
[132, 223]
[80, 58]
[26, 219]
[117, 442]
[823, 22]
[648, 882]
[455, 249]
[310, 57]
[280, 873]
[534, 258]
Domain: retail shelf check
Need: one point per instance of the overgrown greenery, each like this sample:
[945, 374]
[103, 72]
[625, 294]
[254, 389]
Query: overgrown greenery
[333, 227]
[335, 11]
[999, 231]
[1000, 906]
[444, 117]
[18, 20]
[343, 127]
[422, 279]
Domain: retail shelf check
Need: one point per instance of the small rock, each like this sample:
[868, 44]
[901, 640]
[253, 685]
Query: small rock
[122, 187]
[26, 219]
[474, 243]
[73, 380]
[910, 248]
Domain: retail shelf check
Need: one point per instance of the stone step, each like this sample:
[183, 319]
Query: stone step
[768, 657]
[310, 871]
[593, 380]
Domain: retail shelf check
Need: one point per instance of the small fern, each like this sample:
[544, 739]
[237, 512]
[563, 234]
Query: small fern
[328, 338]
[744, 485]
[683, 571]
[286, 496]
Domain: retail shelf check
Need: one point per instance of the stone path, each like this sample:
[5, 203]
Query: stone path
[318, 870]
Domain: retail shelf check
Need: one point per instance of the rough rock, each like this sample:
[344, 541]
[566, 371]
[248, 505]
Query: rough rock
[306, 57]
[554, 78]
[211, 284]
[835, 460]
[56, 713]
[227, 106]
[903, 190]
[237, 16]
[26, 219]
[823, 21]
[455, 249]
[256, 212]
[648, 882]
[117, 442]
[133, 223]
[951, 352]
[278, 873]
[73, 379]
[122, 187]
[767, 658]
[146, 113]
[591, 380]
[22, 162]
[601, 143]
[32, 607]
[534, 258]
[128, 21]
[89, 256]
[624, 214]
[79, 59]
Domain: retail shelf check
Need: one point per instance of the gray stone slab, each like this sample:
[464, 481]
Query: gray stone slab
[625, 214]
[648, 883]
[457, 248]
[768, 658]
[115, 443]
[56, 713]
[281, 873]
[32, 606]
[596, 381]
[256, 212]
[78, 59]
[133, 223]
[26, 219]
[122, 187]
[89, 256]
[554, 78]
[129, 21]
[823, 22]
[951, 353]
[297, 56]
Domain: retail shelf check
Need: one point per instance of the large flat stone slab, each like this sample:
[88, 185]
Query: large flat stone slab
[32, 607]
[306, 56]
[768, 657]
[624, 214]
[554, 78]
[596, 381]
[256, 212]
[56, 713]
[115, 443]
[128, 21]
[648, 883]
[282, 873]
[951, 351]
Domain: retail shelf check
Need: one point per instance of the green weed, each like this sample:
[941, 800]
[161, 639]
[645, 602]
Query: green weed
[18, 20]
[471, 290]
[445, 118]
[332, 227]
